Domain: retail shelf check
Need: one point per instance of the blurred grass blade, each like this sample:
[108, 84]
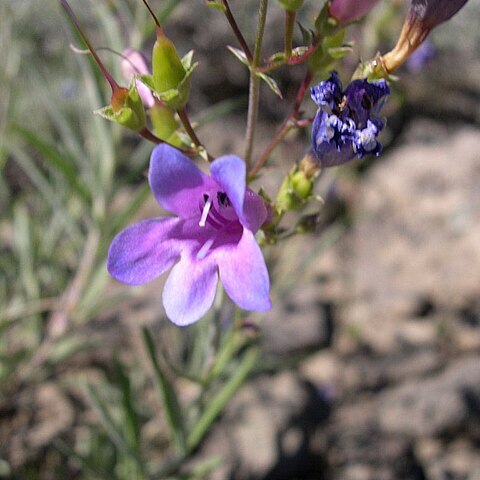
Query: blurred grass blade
[217, 404]
[168, 396]
[113, 431]
[134, 204]
[58, 161]
[84, 462]
[131, 418]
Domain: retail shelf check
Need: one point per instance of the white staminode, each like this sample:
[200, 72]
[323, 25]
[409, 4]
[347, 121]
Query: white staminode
[205, 211]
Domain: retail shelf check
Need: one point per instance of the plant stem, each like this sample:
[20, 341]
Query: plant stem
[289, 123]
[289, 27]
[182, 113]
[237, 32]
[255, 84]
[148, 135]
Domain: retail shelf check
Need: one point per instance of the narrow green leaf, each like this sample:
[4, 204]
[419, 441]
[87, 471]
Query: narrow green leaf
[168, 396]
[272, 84]
[218, 403]
[339, 52]
[187, 60]
[239, 54]
[217, 5]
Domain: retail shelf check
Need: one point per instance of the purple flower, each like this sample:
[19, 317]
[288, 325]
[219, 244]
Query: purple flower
[347, 123]
[431, 13]
[346, 11]
[212, 234]
[422, 17]
[133, 63]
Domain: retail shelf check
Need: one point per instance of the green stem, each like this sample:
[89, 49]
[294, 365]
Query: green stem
[254, 93]
[289, 27]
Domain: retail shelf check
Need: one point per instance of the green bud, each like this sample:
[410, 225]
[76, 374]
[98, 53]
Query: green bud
[302, 186]
[291, 5]
[126, 109]
[164, 124]
[295, 190]
[169, 73]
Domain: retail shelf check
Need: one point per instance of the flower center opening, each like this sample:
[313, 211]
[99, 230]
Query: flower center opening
[217, 211]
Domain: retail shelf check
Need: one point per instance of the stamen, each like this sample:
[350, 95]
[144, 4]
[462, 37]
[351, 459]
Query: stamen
[206, 209]
[205, 248]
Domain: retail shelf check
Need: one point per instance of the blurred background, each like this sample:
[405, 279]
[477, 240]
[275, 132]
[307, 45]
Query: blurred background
[371, 356]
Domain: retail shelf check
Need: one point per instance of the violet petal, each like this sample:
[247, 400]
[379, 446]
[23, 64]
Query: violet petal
[190, 290]
[176, 182]
[244, 274]
[230, 173]
[144, 250]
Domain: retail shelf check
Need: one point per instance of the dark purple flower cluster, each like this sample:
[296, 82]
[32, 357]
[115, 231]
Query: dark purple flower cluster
[347, 123]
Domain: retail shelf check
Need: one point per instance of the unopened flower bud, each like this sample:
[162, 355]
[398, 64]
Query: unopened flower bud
[291, 5]
[422, 17]
[169, 72]
[126, 108]
[164, 124]
[295, 190]
[346, 11]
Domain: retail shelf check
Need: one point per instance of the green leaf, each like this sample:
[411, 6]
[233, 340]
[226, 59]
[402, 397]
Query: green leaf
[187, 60]
[339, 52]
[239, 54]
[307, 34]
[147, 80]
[218, 6]
[168, 397]
[218, 402]
[272, 84]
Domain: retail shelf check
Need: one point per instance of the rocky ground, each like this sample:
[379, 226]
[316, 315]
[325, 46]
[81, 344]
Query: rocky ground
[393, 390]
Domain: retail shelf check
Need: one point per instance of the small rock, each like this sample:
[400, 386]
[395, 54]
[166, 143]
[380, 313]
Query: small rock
[437, 405]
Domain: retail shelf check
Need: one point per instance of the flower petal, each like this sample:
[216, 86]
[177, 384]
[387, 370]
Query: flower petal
[144, 250]
[254, 211]
[190, 290]
[244, 274]
[133, 63]
[230, 173]
[177, 183]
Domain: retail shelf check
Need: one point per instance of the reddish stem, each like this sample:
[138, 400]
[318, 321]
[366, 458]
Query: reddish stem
[288, 124]
[237, 32]
[113, 84]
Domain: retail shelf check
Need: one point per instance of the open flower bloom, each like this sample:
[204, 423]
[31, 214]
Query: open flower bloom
[211, 235]
[347, 122]
[133, 63]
